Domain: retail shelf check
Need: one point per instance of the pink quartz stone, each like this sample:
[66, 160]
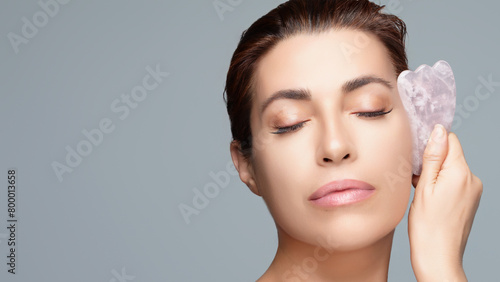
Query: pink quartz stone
[429, 97]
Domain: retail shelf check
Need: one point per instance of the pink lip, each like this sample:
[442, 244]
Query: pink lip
[342, 192]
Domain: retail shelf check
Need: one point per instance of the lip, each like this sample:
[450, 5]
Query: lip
[341, 192]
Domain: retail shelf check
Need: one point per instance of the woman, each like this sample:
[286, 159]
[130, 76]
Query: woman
[320, 133]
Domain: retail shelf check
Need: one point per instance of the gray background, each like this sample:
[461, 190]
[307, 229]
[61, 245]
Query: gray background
[119, 209]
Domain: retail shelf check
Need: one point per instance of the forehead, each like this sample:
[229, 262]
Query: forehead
[321, 62]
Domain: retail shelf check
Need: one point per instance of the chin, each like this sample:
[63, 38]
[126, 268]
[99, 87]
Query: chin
[342, 234]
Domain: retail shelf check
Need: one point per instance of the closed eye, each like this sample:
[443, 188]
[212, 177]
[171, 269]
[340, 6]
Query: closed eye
[373, 114]
[295, 127]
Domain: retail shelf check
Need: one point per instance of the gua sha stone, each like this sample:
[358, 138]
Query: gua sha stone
[429, 97]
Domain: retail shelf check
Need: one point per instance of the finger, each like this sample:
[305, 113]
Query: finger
[434, 155]
[455, 152]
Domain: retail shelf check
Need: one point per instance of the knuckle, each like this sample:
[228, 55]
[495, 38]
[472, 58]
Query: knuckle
[463, 176]
[463, 172]
[478, 184]
[430, 157]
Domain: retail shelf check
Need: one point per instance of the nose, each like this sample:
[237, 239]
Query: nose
[335, 144]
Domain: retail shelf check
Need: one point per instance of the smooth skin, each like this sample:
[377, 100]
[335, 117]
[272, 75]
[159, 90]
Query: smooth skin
[351, 242]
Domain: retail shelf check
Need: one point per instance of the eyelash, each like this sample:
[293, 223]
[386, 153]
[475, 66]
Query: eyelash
[283, 130]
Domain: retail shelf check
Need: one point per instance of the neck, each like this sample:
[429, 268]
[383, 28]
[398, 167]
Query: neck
[298, 261]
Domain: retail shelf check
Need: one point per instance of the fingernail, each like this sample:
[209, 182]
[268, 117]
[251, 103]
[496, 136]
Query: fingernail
[438, 134]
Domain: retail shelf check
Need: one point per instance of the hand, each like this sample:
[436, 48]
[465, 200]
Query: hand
[446, 199]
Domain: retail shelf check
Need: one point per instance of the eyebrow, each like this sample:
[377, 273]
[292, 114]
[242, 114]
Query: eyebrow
[305, 95]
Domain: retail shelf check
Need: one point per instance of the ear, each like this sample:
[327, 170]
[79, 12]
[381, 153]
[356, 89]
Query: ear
[244, 167]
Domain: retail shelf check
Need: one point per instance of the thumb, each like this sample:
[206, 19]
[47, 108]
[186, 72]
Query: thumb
[434, 155]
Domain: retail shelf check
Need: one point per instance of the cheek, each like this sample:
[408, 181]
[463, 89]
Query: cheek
[283, 175]
[393, 158]
[389, 143]
[386, 153]
[282, 160]
[281, 167]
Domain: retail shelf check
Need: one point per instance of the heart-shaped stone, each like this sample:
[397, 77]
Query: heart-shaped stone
[429, 96]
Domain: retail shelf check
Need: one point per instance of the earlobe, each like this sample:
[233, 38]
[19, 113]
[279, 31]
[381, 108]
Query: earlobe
[244, 168]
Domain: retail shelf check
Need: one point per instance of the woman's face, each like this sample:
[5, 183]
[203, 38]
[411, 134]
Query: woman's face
[344, 73]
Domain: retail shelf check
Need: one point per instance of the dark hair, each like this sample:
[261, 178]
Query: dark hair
[295, 17]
